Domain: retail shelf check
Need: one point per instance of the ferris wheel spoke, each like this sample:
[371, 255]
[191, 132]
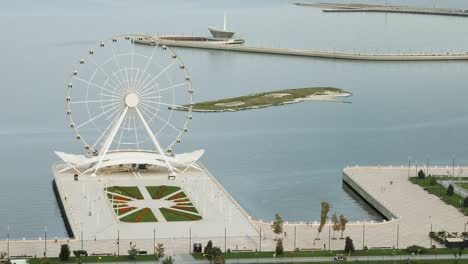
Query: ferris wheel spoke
[118, 87]
[166, 88]
[146, 66]
[116, 61]
[107, 128]
[163, 120]
[131, 68]
[94, 118]
[149, 90]
[92, 101]
[156, 77]
[152, 97]
[172, 106]
[95, 85]
[109, 95]
[128, 79]
[111, 104]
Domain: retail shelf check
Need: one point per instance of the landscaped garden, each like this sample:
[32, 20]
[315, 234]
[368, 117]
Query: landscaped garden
[129, 191]
[142, 215]
[122, 198]
[158, 192]
[431, 185]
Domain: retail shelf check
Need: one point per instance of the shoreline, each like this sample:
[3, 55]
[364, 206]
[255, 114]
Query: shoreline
[235, 104]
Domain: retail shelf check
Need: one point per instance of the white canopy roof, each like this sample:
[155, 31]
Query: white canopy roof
[128, 157]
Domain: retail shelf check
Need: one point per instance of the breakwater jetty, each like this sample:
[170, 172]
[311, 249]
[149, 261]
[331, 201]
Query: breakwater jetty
[341, 7]
[304, 52]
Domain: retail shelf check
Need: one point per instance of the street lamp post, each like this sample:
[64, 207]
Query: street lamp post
[45, 242]
[8, 242]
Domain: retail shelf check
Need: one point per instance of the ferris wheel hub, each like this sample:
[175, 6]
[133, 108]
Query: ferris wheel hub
[131, 100]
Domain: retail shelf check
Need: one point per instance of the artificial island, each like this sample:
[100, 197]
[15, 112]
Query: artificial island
[267, 99]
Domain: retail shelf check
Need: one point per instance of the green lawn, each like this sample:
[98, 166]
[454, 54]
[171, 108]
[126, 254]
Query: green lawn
[172, 215]
[96, 259]
[140, 216]
[455, 200]
[158, 192]
[151, 258]
[463, 185]
[130, 191]
[326, 253]
[262, 99]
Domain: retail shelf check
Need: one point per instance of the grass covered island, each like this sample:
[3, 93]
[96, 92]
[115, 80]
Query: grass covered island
[273, 98]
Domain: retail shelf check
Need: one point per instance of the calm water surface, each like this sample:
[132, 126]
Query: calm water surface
[282, 159]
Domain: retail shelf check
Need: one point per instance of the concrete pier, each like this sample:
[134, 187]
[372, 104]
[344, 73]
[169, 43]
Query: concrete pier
[356, 7]
[415, 212]
[306, 53]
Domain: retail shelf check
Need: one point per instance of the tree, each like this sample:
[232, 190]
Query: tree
[421, 174]
[277, 225]
[208, 248]
[213, 253]
[343, 222]
[465, 202]
[336, 224]
[132, 251]
[64, 252]
[168, 260]
[159, 251]
[349, 246]
[80, 253]
[279, 247]
[325, 208]
[450, 190]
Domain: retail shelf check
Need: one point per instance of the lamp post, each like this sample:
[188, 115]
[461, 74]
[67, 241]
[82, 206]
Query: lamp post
[8, 242]
[453, 165]
[409, 166]
[45, 242]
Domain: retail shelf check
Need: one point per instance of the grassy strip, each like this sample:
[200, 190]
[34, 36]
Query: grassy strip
[158, 192]
[326, 253]
[130, 191]
[95, 259]
[142, 215]
[172, 215]
[262, 99]
[177, 196]
[440, 191]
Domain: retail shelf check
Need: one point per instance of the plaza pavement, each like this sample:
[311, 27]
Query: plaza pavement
[416, 210]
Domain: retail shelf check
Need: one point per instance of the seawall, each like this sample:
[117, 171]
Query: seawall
[62, 210]
[368, 197]
[305, 52]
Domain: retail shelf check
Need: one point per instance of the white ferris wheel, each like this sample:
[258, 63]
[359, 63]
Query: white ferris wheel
[124, 103]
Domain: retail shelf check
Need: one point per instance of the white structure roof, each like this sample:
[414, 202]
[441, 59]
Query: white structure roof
[126, 157]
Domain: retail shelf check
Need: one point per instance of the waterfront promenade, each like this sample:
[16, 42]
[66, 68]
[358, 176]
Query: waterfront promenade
[343, 7]
[307, 53]
[416, 212]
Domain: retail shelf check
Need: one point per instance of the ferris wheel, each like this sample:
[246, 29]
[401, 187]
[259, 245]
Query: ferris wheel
[124, 96]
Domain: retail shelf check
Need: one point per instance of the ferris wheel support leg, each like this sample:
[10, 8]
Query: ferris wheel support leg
[110, 138]
[155, 142]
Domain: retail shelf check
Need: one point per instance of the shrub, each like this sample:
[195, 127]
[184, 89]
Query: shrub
[80, 253]
[132, 252]
[349, 246]
[421, 174]
[465, 202]
[450, 190]
[433, 181]
[64, 252]
[168, 260]
[279, 247]
[415, 249]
